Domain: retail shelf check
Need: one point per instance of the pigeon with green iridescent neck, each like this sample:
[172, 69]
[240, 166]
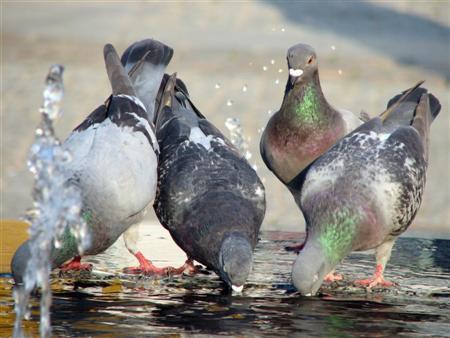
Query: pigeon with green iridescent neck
[306, 125]
[114, 163]
[364, 191]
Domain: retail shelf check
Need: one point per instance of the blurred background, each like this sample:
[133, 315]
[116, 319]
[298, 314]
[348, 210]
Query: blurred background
[232, 58]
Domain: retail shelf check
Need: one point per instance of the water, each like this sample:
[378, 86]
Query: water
[237, 138]
[57, 205]
[109, 303]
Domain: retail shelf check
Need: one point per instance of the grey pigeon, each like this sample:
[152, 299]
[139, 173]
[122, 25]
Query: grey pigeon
[208, 196]
[365, 191]
[306, 125]
[115, 165]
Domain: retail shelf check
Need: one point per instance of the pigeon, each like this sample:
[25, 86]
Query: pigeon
[306, 125]
[114, 163]
[208, 196]
[364, 191]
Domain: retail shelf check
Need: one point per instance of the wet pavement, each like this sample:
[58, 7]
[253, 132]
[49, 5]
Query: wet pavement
[109, 303]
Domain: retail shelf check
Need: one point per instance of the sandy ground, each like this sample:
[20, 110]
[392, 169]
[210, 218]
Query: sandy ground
[368, 52]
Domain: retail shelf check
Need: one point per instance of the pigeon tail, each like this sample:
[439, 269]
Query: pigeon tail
[422, 121]
[401, 108]
[146, 51]
[146, 61]
[118, 77]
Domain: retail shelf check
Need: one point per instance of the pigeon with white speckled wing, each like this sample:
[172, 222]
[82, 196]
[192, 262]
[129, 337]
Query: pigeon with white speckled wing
[208, 196]
[365, 191]
[115, 165]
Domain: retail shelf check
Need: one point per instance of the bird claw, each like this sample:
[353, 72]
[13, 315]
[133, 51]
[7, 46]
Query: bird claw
[372, 282]
[147, 268]
[75, 265]
[333, 277]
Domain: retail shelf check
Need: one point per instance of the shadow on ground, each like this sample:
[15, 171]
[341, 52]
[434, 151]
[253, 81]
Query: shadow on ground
[405, 37]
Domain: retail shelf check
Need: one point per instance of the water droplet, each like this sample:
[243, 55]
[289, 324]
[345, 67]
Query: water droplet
[333, 47]
[255, 168]
[277, 81]
[283, 29]
[269, 111]
[264, 68]
[229, 103]
[244, 88]
[217, 86]
[340, 71]
[272, 62]
[280, 70]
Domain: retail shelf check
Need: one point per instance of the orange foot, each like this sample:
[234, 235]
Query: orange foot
[333, 277]
[376, 280]
[146, 267]
[75, 265]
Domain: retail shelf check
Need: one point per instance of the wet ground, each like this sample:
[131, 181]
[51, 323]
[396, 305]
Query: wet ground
[109, 303]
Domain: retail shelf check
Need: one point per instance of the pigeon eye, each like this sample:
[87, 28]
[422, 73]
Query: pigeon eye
[310, 60]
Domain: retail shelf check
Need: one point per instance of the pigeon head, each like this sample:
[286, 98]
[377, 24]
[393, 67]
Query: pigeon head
[235, 261]
[19, 262]
[310, 268]
[302, 63]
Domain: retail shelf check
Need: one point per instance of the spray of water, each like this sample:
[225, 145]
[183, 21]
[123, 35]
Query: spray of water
[56, 209]
[237, 138]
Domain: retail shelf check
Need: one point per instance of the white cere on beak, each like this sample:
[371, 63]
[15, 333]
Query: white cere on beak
[237, 289]
[295, 72]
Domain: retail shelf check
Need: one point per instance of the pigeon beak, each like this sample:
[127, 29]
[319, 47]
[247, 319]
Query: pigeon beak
[294, 74]
[237, 289]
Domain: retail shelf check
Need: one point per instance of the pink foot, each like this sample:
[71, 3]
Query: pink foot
[333, 277]
[146, 267]
[376, 280]
[75, 265]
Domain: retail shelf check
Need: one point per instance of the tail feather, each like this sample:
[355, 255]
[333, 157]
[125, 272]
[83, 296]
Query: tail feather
[401, 109]
[118, 77]
[422, 121]
[166, 96]
[146, 62]
[152, 51]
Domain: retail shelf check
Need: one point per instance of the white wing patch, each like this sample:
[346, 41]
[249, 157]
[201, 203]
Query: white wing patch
[199, 137]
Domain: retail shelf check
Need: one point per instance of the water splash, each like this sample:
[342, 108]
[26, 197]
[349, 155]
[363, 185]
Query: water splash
[244, 88]
[217, 86]
[233, 124]
[57, 206]
[229, 102]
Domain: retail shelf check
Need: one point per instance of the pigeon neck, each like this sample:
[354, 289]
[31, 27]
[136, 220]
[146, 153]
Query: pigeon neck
[307, 104]
[336, 233]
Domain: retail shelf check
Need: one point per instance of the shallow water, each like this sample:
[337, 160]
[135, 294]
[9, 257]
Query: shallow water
[108, 303]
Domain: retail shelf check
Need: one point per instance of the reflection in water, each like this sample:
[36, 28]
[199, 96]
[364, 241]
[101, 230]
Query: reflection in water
[108, 304]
